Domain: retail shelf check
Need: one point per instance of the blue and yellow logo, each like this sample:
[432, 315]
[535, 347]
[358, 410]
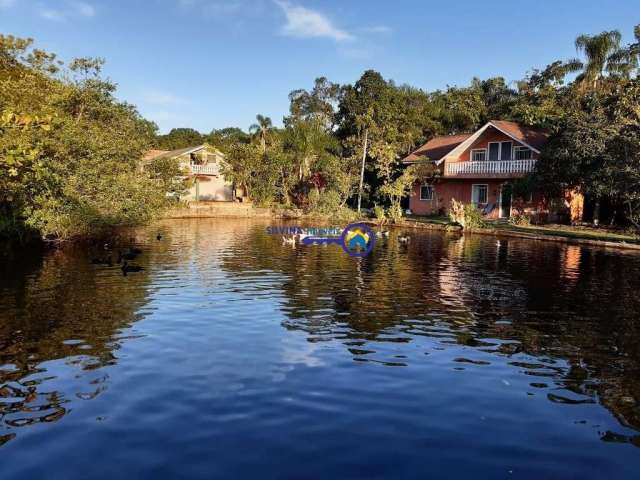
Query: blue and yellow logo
[357, 240]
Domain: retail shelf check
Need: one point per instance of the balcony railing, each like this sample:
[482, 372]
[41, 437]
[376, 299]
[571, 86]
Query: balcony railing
[497, 167]
[211, 169]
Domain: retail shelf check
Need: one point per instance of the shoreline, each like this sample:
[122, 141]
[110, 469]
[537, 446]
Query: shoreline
[234, 210]
[496, 232]
[239, 211]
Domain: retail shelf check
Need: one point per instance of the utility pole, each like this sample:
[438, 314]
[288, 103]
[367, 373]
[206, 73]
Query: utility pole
[364, 157]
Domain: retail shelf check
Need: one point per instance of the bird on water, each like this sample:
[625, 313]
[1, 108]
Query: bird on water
[126, 268]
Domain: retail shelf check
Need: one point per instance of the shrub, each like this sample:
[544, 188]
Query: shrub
[379, 213]
[474, 217]
[395, 213]
[467, 216]
[456, 212]
[327, 204]
[323, 203]
[520, 219]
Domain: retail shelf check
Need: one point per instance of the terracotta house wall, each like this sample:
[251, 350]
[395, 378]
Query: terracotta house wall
[446, 190]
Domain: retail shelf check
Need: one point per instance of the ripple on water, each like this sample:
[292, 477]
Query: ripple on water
[232, 355]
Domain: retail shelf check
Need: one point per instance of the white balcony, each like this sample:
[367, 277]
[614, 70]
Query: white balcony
[210, 169]
[493, 168]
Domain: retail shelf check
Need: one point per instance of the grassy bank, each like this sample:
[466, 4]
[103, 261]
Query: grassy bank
[551, 231]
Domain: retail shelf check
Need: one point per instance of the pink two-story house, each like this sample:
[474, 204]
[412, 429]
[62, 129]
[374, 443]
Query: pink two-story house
[479, 168]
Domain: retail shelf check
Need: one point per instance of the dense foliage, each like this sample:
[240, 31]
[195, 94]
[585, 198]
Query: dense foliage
[69, 151]
[345, 142]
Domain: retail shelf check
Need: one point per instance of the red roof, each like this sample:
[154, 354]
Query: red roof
[437, 147]
[535, 137]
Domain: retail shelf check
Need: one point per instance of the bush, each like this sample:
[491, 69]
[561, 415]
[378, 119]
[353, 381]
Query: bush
[323, 203]
[467, 216]
[327, 204]
[520, 219]
[379, 213]
[474, 217]
[344, 215]
[395, 213]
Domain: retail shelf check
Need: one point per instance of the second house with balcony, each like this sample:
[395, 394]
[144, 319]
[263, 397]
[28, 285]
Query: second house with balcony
[202, 165]
[480, 168]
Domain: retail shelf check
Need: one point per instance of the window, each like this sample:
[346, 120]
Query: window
[505, 151]
[522, 153]
[494, 151]
[426, 192]
[479, 155]
[500, 150]
[479, 194]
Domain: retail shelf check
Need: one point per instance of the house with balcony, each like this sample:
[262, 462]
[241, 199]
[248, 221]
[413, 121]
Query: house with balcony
[480, 168]
[202, 164]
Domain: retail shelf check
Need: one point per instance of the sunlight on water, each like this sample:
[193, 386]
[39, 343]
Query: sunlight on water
[231, 354]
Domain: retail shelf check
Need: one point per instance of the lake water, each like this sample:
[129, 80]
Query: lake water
[234, 356]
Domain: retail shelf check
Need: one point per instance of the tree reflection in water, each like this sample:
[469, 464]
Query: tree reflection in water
[572, 310]
[60, 307]
[563, 317]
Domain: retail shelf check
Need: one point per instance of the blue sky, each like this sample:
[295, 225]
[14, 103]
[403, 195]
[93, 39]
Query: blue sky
[216, 63]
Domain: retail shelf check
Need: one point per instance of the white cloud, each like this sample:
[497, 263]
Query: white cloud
[84, 9]
[66, 10]
[50, 13]
[302, 22]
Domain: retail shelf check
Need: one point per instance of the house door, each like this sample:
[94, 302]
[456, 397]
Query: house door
[506, 192]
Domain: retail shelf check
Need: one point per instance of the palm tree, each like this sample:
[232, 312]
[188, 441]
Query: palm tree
[261, 130]
[602, 54]
[308, 141]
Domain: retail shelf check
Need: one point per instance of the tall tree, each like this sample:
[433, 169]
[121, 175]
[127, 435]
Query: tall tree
[261, 129]
[318, 104]
[361, 113]
[602, 55]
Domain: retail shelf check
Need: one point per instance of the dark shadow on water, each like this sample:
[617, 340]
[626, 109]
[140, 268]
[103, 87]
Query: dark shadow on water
[562, 319]
[572, 311]
[55, 305]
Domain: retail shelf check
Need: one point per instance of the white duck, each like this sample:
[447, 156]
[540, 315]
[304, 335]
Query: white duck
[289, 241]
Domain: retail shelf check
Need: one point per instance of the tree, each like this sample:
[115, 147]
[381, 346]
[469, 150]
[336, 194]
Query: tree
[460, 109]
[307, 141]
[597, 151]
[69, 151]
[543, 99]
[319, 104]
[179, 138]
[227, 136]
[361, 114]
[401, 186]
[261, 130]
[602, 54]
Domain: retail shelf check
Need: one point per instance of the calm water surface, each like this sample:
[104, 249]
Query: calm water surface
[233, 356]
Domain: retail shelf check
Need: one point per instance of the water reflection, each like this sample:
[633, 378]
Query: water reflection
[61, 319]
[569, 313]
[227, 333]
